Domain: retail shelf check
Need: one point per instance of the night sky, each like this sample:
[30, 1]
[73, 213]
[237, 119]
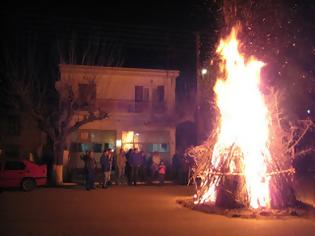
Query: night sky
[144, 34]
[282, 34]
[160, 34]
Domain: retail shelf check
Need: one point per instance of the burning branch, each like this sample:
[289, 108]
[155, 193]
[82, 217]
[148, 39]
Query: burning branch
[247, 160]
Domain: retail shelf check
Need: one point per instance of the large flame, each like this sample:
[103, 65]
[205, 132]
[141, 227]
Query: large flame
[243, 124]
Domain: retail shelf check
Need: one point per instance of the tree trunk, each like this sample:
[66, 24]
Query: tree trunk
[58, 169]
[58, 166]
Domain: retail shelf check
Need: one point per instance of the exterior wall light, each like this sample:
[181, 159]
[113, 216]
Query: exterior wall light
[204, 71]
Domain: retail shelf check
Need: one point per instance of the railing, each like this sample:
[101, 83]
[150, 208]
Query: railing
[127, 106]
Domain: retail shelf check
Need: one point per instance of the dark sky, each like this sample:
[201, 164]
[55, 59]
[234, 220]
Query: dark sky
[160, 34]
[148, 34]
[282, 34]
[168, 14]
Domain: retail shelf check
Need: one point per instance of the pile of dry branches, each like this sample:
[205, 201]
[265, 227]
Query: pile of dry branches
[285, 137]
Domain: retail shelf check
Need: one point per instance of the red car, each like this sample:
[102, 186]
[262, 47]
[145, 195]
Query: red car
[24, 174]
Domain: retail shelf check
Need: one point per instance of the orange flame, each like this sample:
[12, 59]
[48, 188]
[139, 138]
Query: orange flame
[244, 121]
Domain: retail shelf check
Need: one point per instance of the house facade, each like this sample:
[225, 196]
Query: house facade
[140, 104]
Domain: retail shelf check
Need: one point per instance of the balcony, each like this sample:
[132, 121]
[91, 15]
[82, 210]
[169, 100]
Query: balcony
[130, 106]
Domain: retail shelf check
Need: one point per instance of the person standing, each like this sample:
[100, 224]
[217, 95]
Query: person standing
[142, 168]
[128, 165]
[89, 170]
[121, 165]
[162, 172]
[135, 163]
[106, 164]
[176, 167]
[156, 159]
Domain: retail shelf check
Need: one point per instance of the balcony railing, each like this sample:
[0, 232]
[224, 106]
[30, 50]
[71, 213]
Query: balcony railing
[127, 106]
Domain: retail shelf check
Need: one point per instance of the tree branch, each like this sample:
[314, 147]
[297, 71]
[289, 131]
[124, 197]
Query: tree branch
[89, 119]
[309, 124]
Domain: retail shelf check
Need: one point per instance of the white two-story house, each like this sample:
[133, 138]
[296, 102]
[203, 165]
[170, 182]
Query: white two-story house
[140, 104]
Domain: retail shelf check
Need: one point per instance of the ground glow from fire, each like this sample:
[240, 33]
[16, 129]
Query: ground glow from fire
[243, 124]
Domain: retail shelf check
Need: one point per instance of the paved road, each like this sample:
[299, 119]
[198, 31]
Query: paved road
[126, 211]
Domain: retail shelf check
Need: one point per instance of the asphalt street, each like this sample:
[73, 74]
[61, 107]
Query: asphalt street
[126, 210]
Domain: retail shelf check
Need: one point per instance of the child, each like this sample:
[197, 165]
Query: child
[162, 172]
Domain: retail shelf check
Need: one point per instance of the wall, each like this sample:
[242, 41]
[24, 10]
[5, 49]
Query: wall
[119, 83]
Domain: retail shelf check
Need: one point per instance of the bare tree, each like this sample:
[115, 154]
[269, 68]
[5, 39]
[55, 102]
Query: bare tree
[54, 107]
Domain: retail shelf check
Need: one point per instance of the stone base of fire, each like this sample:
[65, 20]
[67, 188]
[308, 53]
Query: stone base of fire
[301, 210]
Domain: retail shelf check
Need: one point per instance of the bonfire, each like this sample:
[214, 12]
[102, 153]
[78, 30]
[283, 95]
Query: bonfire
[247, 160]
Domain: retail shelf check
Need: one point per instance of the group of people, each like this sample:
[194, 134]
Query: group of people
[129, 165]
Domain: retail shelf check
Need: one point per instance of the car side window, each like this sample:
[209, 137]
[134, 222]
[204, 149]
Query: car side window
[14, 165]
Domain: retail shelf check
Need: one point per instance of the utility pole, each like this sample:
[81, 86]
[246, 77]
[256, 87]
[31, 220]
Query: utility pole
[198, 112]
[197, 50]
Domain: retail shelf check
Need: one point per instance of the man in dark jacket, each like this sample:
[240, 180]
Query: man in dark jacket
[106, 164]
[128, 165]
[135, 163]
[89, 170]
[176, 166]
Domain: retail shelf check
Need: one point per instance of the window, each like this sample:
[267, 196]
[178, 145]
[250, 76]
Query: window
[160, 94]
[141, 98]
[14, 165]
[158, 147]
[75, 147]
[86, 147]
[109, 146]
[83, 89]
[87, 93]
[97, 147]
[83, 147]
[138, 93]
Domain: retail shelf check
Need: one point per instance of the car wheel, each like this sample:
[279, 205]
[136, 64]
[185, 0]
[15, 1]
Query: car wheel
[28, 184]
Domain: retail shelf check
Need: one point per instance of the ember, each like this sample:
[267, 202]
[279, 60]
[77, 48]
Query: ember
[243, 123]
[236, 165]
